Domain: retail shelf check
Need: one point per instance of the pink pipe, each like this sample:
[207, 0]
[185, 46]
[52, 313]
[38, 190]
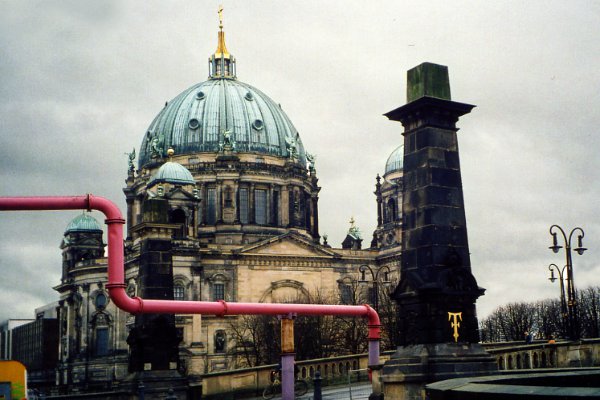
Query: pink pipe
[136, 305]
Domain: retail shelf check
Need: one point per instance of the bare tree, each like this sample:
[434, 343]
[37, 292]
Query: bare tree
[589, 309]
[256, 339]
[544, 317]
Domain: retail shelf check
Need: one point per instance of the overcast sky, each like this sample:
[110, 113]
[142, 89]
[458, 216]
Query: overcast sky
[80, 82]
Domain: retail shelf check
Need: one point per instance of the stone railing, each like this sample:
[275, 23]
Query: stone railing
[541, 354]
[254, 380]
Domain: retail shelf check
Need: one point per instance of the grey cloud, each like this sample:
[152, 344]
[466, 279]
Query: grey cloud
[80, 81]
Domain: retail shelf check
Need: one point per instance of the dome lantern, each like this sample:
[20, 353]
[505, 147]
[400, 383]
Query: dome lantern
[221, 64]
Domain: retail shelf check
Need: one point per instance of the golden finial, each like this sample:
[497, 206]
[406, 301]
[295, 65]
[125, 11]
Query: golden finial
[220, 12]
[221, 48]
[352, 221]
[170, 153]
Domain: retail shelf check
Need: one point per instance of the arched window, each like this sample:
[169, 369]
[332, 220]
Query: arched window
[218, 291]
[178, 292]
[392, 213]
[219, 287]
[101, 331]
[220, 342]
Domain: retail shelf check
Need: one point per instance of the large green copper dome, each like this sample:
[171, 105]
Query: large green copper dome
[195, 121]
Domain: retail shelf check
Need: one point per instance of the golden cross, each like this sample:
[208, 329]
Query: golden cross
[455, 317]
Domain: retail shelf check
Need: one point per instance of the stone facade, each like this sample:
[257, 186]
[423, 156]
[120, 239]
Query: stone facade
[232, 217]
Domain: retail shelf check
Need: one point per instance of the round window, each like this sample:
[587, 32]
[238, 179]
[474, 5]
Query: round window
[249, 96]
[200, 95]
[194, 123]
[257, 124]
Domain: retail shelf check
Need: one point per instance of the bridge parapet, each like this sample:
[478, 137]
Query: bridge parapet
[541, 354]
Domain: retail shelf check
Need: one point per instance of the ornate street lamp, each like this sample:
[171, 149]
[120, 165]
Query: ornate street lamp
[573, 323]
[375, 280]
[563, 301]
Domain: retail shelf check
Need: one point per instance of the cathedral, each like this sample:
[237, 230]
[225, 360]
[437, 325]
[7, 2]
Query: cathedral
[222, 204]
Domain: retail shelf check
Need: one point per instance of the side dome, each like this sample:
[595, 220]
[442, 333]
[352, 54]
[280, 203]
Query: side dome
[83, 223]
[195, 121]
[174, 173]
[395, 161]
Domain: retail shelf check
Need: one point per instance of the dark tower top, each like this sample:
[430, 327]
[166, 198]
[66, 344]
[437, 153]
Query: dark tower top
[436, 280]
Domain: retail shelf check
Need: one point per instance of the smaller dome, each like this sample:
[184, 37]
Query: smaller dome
[395, 161]
[83, 223]
[174, 173]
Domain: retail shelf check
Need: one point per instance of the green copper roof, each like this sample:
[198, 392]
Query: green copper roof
[395, 160]
[172, 172]
[196, 119]
[83, 223]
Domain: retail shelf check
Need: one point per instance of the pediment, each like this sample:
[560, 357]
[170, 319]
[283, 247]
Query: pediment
[288, 245]
[178, 193]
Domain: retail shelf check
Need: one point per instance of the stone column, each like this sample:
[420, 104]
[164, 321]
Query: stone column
[379, 200]
[284, 205]
[437, 292]
[315, 216]
[130, 215]
[236, 189]
[203, 196]
[271, 205]
[252, 216]
[220, 202]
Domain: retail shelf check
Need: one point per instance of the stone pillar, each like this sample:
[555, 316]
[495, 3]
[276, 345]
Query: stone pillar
[236, 189]
[437, 292]
[203, 202]
[130, 216]
[271, 206]
[379, 201]
[284, 206]
[315, 217]
[252, 216]
[220, 203]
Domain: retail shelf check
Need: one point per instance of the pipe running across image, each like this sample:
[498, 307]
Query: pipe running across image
[136, 305]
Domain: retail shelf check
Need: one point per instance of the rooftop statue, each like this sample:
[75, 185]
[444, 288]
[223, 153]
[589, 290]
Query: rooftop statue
[292, 147]
[131, 157]
[228, 144]
[311, 158]
[155, 148]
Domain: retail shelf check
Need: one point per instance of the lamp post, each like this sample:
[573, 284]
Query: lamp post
[374, 280]
[563, 301]
[573, 325]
